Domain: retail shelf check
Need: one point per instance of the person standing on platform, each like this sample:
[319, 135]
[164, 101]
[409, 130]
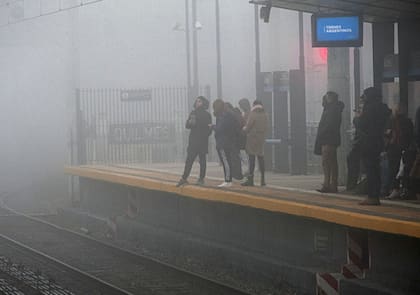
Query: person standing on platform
[353, 157]
[256, 129]
[225, 134]
[328, 139]
[236, 148]
[245, 108]
[372, 122]
[400, 140]
[414, 180]
[199, 122]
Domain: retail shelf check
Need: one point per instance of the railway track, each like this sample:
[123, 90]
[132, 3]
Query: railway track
[106, 268]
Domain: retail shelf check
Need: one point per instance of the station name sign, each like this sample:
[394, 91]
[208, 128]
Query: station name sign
[337, 31]
[136, 95]
[142, 133]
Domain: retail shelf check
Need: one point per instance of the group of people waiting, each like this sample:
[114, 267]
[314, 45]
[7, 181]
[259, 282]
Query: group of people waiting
[237, 128]
[386, 147]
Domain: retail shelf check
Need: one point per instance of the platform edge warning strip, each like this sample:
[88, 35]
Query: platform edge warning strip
[353, 219]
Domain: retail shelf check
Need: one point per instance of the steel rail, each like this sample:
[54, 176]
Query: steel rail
[99, 284]
[130, 255]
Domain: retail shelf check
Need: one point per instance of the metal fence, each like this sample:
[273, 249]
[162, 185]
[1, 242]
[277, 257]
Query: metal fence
[135, 126]
[132, 125]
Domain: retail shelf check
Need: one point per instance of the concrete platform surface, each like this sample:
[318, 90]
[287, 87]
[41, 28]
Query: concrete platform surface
[286, 194]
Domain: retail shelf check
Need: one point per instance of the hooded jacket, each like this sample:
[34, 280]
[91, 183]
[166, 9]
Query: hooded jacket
[402, 131]
[198, 122]
[226, 130]
[372, 122]
[329, 126]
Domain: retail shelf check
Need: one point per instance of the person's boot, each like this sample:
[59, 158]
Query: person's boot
[263, 179]
[249, 181]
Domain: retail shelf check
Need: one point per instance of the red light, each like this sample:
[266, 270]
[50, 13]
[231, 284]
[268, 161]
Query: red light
[323, 54]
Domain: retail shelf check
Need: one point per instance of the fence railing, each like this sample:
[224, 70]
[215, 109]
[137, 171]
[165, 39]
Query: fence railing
[135, 126]
[132, 125]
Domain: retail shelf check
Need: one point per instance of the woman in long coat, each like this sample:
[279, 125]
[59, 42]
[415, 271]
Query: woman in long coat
[256, 129]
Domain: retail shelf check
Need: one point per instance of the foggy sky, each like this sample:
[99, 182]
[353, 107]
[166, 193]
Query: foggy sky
[118, 44]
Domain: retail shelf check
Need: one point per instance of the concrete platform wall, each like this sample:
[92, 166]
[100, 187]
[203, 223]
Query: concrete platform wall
[280, 238]
[293, 239]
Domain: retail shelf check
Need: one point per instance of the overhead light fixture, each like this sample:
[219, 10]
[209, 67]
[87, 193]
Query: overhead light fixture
[265, 9]
[265, 12]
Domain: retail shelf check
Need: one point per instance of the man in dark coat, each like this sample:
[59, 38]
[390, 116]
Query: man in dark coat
[239, 137]
[372, 122]
[199, 122]
[225, 132]
[328, 139]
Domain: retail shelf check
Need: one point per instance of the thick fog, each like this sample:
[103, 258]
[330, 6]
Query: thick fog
[120, 44]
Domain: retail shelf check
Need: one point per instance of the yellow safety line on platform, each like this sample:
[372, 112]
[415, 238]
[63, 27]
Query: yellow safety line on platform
[343, 217]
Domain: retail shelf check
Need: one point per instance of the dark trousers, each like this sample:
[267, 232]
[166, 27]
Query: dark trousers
[225, 159]
[191, 155]
[330, 166]
[236, 163]
[373, 173]
[394, 160]
[261, 165]
[409, 183]
[353, 168]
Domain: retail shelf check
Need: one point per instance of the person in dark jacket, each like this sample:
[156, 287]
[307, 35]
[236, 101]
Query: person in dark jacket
[400, 140]
[225, 132]
[199, 122]
[372, 122]
[236, 148]
[328, 139]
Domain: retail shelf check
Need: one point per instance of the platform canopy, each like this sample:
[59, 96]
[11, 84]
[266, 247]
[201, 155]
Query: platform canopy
[371, 10]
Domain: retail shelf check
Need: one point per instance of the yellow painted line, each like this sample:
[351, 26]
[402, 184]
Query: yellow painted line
[353, 219]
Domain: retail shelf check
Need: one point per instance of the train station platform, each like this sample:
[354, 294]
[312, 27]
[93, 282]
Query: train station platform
[286, 221]
[295, 195]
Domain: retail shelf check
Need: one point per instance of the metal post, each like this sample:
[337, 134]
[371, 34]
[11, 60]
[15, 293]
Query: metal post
[301, 44]
[195, 49]
[219, 62]
[80, 129]
[187, 47]
[298, 127]
[258, 85]
[356, 73]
